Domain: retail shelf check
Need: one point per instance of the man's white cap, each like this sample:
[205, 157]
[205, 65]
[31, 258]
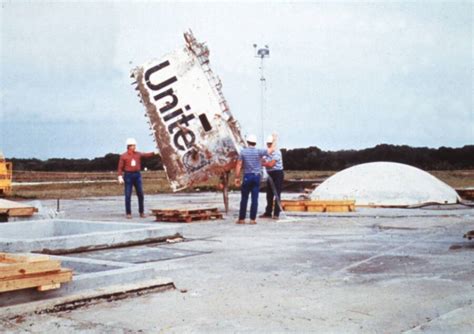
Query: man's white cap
[269, 139]
[252, 138]
[131, 141]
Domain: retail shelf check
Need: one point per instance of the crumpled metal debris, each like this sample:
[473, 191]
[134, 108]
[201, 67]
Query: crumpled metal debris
[190, 119]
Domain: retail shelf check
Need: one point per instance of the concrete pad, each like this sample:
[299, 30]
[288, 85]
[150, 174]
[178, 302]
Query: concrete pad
[380, 272]
[459, 320]
[60, 236]
[64, 236]
[140, 254]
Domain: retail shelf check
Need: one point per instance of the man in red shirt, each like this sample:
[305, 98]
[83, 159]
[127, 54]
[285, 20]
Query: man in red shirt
[129, 166]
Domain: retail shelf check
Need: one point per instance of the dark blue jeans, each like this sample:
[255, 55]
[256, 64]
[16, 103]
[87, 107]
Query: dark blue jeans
[133, 179]
[277, 177]
[251, 184]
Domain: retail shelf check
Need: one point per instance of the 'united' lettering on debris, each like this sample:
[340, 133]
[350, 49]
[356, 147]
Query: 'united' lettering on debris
[189, 118]
[183, 138]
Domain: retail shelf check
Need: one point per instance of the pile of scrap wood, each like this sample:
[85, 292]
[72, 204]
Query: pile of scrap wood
[186, 215]
[318, 206]
[22, 271]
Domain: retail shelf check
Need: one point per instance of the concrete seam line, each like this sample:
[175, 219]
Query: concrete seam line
[43, 306]
[469, 303]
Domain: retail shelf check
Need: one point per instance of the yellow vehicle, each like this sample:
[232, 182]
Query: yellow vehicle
[5, 176]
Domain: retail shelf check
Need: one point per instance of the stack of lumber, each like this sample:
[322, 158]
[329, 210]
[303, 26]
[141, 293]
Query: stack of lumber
[22, 271]
[318, 206]
[15, 209]
[186, 215]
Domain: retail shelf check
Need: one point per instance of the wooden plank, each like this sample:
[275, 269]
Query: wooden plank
[189, 218]
[206, 217]
[174, 219]
[337, 208]
[21, 276]
[316, 208]
[15, 209]
[335, 202]
[49, 287]
[319, 205]
[36, 280]
[293, 202]
[25, 268]
[21, 212]
[186, 215]
[13, 258]
[183, 211]
[294, 208]
[204, 214]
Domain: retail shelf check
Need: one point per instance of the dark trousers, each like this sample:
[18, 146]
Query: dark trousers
[277, 177]
[251, 184]
[133, 179]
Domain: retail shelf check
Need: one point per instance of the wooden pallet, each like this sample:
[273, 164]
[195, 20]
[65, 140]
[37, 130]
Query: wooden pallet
[186, 215]
[318, 206]
[18, 271]
[15, 209]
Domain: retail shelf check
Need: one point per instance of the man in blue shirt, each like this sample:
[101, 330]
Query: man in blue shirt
[250, 159]
[274, 165]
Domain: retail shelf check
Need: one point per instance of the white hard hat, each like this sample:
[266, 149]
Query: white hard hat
[252, 138]
[131, 141]
[269, 139]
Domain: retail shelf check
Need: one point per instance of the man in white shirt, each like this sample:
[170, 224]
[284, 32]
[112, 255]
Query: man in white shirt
[274, 164]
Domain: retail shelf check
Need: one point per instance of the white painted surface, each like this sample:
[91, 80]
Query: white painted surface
[387, 184]
[188, 115]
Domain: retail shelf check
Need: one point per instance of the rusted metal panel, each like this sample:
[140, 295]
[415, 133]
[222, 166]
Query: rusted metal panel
[189, 117]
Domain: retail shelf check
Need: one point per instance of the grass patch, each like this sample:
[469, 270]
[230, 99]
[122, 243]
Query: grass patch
[50, 185]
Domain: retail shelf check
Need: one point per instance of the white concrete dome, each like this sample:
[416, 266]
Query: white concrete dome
[385, 184]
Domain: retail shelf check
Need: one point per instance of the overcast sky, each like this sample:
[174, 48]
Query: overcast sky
[342, 75]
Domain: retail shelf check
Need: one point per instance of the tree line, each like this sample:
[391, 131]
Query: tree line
[443, 158]
[310, 158]
[107, 163]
